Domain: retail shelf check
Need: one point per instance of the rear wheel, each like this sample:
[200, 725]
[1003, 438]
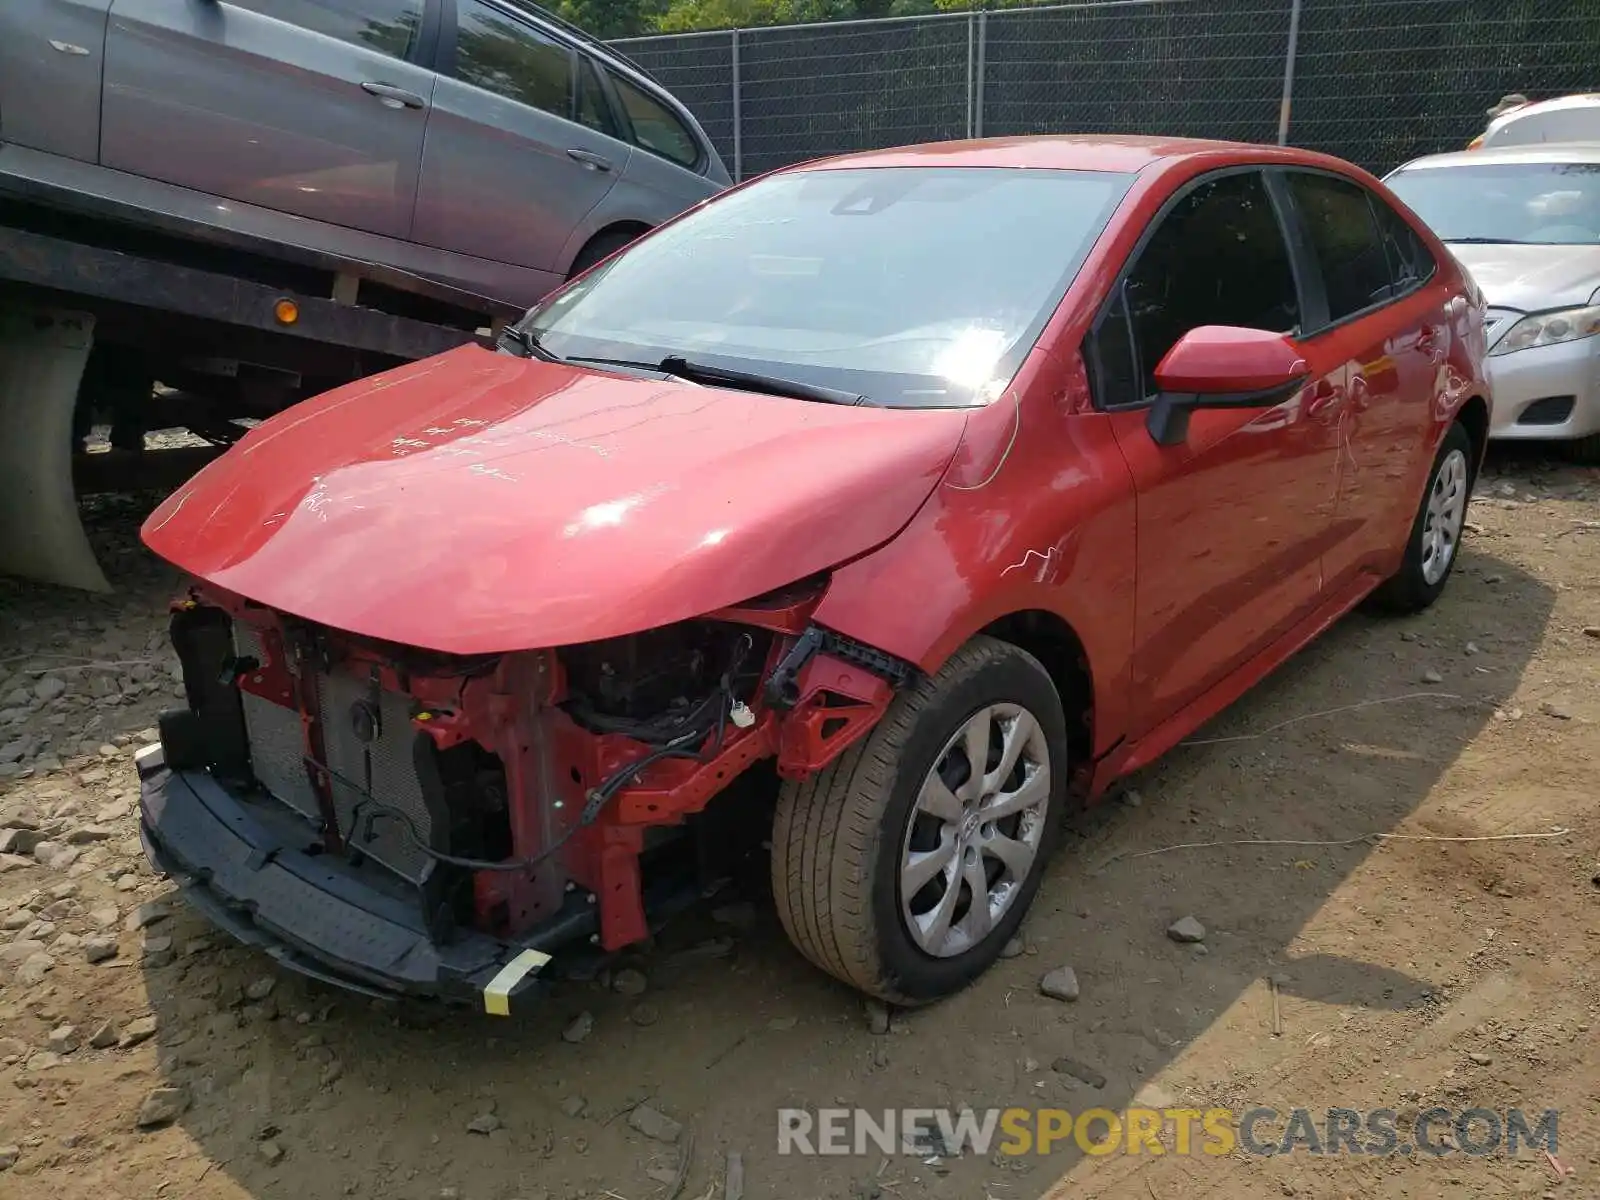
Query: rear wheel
[1436, 532]
[905, 866]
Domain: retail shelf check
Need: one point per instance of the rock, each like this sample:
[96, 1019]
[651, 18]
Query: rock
[127, 883]
[163, 1106]
[1472, 648]
[93, 777]
[1186, 929]
[105, 917]
[34, 968]
[98, 949]
[331, 1074]
[1079, 1071]
[9, 1156]
[574, 1106]
[145, 914]
[48, 688]
[581, 1027]
[782, 1024]
[16, 751]
[258, 990]
[19, 950]
[158, 952]
[43, 1060]
[1432, 676]
[740, 915]
[877, 1016]
[12, 1050]
[645, 1014]
[1494, 579]
[483, 1123]
[63, 1039]
[1591, 631]
[654, 1124]
[1060, 984]
[1483, 1060]
[106, 750]
[271, 1153]
[1551, 709]
[140, 1029]
[56, 855]
[628, 982]
[105, 1037]
[85, 835]
[1013, 948]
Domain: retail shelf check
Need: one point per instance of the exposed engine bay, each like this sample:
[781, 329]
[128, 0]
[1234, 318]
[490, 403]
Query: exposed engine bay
[533, 796]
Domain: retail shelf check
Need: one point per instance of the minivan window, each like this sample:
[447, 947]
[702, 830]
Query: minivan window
[389, 26]
[825, 277]
[1217, 258]
[655, 126]
[1344, 237]
[513, 60]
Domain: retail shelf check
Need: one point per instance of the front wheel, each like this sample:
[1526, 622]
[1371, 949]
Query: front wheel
[904, 867]
[1436, 531]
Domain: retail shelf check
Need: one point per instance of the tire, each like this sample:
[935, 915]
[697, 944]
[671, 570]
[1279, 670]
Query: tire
[1419, 581]
[842, 837]
[602, 246]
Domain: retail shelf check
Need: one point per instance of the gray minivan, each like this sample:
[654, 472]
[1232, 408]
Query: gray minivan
[485, 143]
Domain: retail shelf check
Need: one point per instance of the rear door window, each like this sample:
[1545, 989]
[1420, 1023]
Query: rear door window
[656, 127]
[514, 60]
[1410, 261]
[1339, 220]
[388, 26]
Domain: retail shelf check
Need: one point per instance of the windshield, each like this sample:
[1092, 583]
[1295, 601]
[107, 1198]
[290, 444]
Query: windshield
[1540, 203]
[913, 287]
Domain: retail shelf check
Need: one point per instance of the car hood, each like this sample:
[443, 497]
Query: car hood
[1531, 278]
[481, 502]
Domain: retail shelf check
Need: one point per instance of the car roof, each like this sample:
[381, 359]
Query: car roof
[1532, 152]
[1558, 104]
[1070, 152]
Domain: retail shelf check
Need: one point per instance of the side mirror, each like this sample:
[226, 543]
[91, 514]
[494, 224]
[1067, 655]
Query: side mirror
[1222, 366]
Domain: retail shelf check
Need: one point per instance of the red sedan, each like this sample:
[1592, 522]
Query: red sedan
[884, 508]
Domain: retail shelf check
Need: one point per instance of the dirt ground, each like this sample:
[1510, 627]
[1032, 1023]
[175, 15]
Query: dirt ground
[1410, 972]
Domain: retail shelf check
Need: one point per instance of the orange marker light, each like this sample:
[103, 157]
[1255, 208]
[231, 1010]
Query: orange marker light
[287, 312]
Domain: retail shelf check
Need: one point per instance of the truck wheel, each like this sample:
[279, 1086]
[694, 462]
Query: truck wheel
[905, 866]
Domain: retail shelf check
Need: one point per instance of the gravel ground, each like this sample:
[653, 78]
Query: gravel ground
[142, 1056]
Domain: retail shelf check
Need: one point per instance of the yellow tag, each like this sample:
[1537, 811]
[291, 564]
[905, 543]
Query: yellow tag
[497, 996]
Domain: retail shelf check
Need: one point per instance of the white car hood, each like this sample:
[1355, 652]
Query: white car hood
[1532, 278]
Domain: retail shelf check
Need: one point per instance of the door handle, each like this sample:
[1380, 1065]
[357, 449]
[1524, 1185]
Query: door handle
[595, 162]
[392, 96]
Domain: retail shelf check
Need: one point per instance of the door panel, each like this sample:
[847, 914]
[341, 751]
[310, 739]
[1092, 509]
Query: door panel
[505, 174]
[50, 65]
[1233, 521]
[212, 95]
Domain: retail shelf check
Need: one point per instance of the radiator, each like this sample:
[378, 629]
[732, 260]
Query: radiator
[277, 759]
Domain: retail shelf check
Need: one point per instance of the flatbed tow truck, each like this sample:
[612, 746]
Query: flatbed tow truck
[148, 322]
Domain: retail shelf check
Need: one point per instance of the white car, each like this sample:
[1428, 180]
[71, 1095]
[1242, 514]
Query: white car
[1525, 222]
[1564, 119]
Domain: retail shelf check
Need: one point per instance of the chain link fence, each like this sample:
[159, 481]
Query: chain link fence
[1372, 81]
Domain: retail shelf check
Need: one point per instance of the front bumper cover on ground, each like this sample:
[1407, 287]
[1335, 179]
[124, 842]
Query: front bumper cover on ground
[311, 913]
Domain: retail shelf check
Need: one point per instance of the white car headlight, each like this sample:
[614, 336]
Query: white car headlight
[1547, 329]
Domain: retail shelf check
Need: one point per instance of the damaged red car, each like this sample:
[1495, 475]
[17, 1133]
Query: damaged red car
[882, 509]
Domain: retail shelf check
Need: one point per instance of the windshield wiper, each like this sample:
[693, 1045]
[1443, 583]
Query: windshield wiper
[528, 342]
[777, 385]
[750, 381]
[1487, 241]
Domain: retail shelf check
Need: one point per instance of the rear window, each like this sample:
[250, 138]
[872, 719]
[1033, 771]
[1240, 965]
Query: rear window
[655, 126]
[1536, 203]
[1344, 235]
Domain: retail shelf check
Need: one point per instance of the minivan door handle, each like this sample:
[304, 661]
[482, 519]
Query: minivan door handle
[392, 96]
[595, 162]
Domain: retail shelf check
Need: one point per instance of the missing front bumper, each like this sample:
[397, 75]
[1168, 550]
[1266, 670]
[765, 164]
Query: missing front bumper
[314, 915]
